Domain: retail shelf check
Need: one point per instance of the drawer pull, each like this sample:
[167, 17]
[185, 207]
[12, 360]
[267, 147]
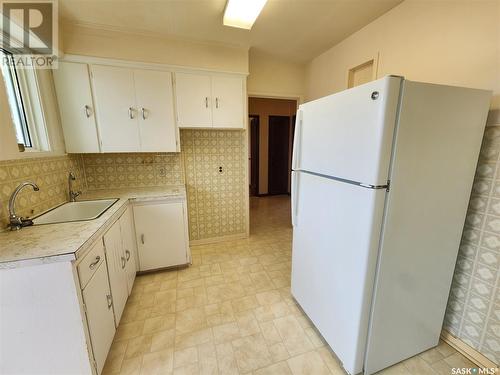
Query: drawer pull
[109, 297]
[124, 262]
[142, 238]
[127, 255]
[95, 263]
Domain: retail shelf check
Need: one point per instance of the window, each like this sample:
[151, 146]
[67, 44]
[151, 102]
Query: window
[25, 105]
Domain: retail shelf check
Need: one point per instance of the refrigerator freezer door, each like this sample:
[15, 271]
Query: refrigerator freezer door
[349, 134]
[335, 245]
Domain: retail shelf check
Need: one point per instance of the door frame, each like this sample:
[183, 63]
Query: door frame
[269, 154]
[257, 156]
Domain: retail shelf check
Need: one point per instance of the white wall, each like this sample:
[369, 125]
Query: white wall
[449, 42]
[272, 77]
[81, 40]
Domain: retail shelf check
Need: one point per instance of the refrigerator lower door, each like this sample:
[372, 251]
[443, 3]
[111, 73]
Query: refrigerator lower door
[335, 245]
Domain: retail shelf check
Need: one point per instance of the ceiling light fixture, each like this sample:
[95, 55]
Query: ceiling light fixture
[242, 13]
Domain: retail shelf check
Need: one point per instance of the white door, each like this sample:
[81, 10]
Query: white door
[335, 246]
[98, 302]
[116, 268]
[129, 247]
[74, 95]
[117, 115]
[155, 104]
[349, 134]
[194, 100]
[161, 235]
[227, 102]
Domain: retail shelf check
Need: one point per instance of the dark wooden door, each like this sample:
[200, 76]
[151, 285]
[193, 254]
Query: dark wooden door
[279, 142]
[254, 155]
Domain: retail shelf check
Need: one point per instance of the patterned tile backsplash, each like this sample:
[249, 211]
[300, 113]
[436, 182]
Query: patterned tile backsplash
[104, 171]
[216, 200]
[473, 312]
[49, 173]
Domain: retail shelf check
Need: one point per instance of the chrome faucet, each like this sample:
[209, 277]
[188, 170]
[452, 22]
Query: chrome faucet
[72, 194]
[17, 222]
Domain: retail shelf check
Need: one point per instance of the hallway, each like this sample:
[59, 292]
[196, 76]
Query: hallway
[231, 312]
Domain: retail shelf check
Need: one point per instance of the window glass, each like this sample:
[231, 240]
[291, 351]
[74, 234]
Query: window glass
[25, 105]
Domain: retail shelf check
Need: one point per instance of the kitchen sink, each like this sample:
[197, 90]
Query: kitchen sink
[75, 211]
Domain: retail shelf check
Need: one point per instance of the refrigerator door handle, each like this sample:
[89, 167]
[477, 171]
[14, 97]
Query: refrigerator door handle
[296, 141]
[295, 187]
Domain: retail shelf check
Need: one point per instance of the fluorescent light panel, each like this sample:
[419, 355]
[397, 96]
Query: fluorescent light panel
[242, 13]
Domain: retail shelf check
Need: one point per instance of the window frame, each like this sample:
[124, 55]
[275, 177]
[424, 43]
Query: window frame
[29, 107]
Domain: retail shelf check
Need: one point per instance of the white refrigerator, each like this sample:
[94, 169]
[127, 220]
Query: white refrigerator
[382, 175]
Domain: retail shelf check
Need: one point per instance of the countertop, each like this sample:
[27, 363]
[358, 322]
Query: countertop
[49, 243]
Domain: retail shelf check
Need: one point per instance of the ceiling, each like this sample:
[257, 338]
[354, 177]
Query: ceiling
[295, 30]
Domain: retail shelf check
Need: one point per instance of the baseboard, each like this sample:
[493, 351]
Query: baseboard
[470, 353]
[218, 239]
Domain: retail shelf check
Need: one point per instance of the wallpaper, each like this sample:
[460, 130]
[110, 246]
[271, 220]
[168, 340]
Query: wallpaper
[473, 312]
[216, 199]
[51, 176]
[215, 163]
[104, 171]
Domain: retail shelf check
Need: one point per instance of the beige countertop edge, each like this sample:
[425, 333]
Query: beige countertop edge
[80, 235]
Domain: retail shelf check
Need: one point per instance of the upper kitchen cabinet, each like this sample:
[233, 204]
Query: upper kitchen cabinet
[135, 109]
[194, 97]
[116, 109]
[228, 102]
[76, 107]
[155, 103]
[210, 100]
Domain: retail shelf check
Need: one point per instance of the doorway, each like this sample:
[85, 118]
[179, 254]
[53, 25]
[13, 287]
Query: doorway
[266, 177]
[254, 154]
[278, 154]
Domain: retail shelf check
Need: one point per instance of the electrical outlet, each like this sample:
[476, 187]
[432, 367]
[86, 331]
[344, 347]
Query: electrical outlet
[220, 170]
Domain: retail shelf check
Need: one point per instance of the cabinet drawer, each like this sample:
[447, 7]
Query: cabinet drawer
[90, 263]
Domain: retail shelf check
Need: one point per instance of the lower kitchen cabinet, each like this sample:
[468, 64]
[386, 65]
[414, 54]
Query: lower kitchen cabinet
[117, 263]
[100, 318]
[162, 234]
[64, 313]
[129, 247]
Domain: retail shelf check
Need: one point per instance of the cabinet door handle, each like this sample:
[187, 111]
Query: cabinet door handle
[143, 111]
[88, 112]
[142, 238]
[127, 255]
[109, 297]
[216, 102]
[131, 113]
[95, 263]
[206, 101]
[124, 262]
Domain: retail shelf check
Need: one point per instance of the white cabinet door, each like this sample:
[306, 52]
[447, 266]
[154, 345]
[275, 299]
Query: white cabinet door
[155, 105]
[129, 247]
[194, 100]
[100, 319]
[117, 115]
[116, 268]
[227, 102]
[161, 233]
[74, 96]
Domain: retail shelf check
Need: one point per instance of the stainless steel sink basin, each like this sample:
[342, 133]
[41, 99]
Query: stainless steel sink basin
[75, 211]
